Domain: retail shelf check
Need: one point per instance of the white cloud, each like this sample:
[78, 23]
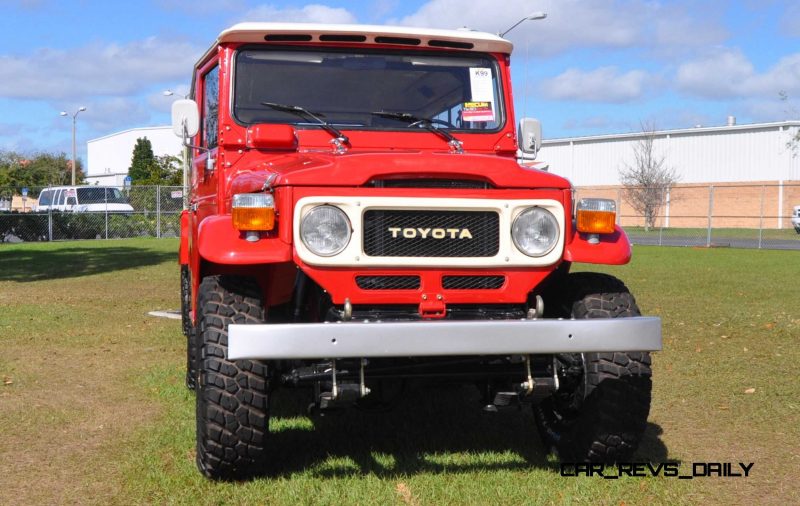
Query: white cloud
[96, 69]
[604, 84]
[311, 13]
[577, 23]
[162, 103]
[110, 114]
[790, 21]
[728, 73]
[602, 123]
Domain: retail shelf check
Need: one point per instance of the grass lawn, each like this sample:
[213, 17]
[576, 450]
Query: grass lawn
[93, 407]
[767, 234]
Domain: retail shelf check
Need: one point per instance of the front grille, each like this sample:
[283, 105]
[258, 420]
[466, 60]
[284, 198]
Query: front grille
[402, 233]
[472, 282]
[388, 282]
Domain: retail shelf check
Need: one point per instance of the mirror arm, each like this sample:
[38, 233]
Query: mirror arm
[186, 140]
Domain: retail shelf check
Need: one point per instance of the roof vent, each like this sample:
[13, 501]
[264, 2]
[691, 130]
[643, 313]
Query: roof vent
[342, 38]
[287, 37]
[382, 39]
[731, 121]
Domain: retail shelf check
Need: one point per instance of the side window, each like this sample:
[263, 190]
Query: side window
[211, 108]
[44, 198]
[60, 198]
[71, 201]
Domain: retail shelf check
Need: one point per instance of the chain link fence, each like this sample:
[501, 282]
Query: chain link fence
[760, 216]
[730, 215]
[100, 212]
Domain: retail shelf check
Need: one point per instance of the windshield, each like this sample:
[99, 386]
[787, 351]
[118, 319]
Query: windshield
[100, 196]
[345, 87]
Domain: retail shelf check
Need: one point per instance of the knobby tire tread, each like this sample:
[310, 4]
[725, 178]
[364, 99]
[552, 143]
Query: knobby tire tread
[605, 420]
[232, 396]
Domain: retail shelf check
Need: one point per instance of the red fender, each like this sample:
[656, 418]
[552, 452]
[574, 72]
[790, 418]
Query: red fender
[613, 249]
[220, 243]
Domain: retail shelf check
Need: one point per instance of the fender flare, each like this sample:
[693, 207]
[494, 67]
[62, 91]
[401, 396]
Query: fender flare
[218, 242]
[613, 249]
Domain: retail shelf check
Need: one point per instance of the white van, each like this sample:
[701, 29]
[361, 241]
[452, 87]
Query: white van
[81, 199]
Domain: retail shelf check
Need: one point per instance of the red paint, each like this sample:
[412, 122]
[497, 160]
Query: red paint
[341, 284]
[303, 164]
[613, 249]
[220, 243]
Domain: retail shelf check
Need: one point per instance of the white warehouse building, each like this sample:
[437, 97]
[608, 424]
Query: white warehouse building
[109, 157]
[725, 154]
[743, 176]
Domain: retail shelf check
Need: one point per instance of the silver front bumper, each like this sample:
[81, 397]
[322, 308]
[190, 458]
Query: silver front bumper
[442, 338]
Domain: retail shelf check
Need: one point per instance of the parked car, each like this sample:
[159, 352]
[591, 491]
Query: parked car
[82, 199]
[796, 219]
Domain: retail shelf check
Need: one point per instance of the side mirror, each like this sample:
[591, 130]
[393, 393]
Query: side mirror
[185, 118]
[530, 136]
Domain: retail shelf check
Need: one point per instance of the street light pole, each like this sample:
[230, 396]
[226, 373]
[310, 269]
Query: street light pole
[184, 161]
[74, 124]
[532, 17]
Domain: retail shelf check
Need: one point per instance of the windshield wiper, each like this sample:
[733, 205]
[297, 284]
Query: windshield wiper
[299, 111]
[426, 123]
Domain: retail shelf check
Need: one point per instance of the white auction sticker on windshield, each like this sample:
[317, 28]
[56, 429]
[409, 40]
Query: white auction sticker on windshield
[477, 111]
[480, 80]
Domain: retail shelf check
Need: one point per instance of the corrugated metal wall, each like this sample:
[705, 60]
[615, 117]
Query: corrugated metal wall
[702, 155]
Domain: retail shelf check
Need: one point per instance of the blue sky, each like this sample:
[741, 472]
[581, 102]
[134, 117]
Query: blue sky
[591, 67]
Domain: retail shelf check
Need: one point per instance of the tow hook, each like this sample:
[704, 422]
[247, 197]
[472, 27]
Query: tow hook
[535, 312]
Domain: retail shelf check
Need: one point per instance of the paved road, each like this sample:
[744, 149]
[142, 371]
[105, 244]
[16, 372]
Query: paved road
[720, 242]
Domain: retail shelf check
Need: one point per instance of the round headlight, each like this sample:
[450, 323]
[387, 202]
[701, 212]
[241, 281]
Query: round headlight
[535, 231]
[325, 230]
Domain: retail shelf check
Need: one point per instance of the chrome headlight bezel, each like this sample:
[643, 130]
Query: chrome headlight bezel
[534, 218]
[343, 225]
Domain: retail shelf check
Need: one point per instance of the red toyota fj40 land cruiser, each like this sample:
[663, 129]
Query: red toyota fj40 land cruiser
[357, 215]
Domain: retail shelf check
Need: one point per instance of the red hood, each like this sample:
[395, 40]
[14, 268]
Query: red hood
[357, 169]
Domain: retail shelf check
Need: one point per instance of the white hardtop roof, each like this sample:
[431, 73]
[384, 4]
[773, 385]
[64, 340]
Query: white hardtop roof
[480, 41]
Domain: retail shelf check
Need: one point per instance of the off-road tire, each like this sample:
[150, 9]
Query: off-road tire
[192, 359]
[186, 300]
[232, 396]
[600, 414]
[188, 328]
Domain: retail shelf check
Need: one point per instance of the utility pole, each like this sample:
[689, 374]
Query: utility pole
[74, 122]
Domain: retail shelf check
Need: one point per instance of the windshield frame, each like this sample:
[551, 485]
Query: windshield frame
[502, 116]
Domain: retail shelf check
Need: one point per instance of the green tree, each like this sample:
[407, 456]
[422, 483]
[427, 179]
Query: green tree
[38, 169]
[165, 170]
[143, 162]
[170, 170]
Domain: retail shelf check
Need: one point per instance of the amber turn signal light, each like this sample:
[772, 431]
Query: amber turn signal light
[253, 212]
[596, 216]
